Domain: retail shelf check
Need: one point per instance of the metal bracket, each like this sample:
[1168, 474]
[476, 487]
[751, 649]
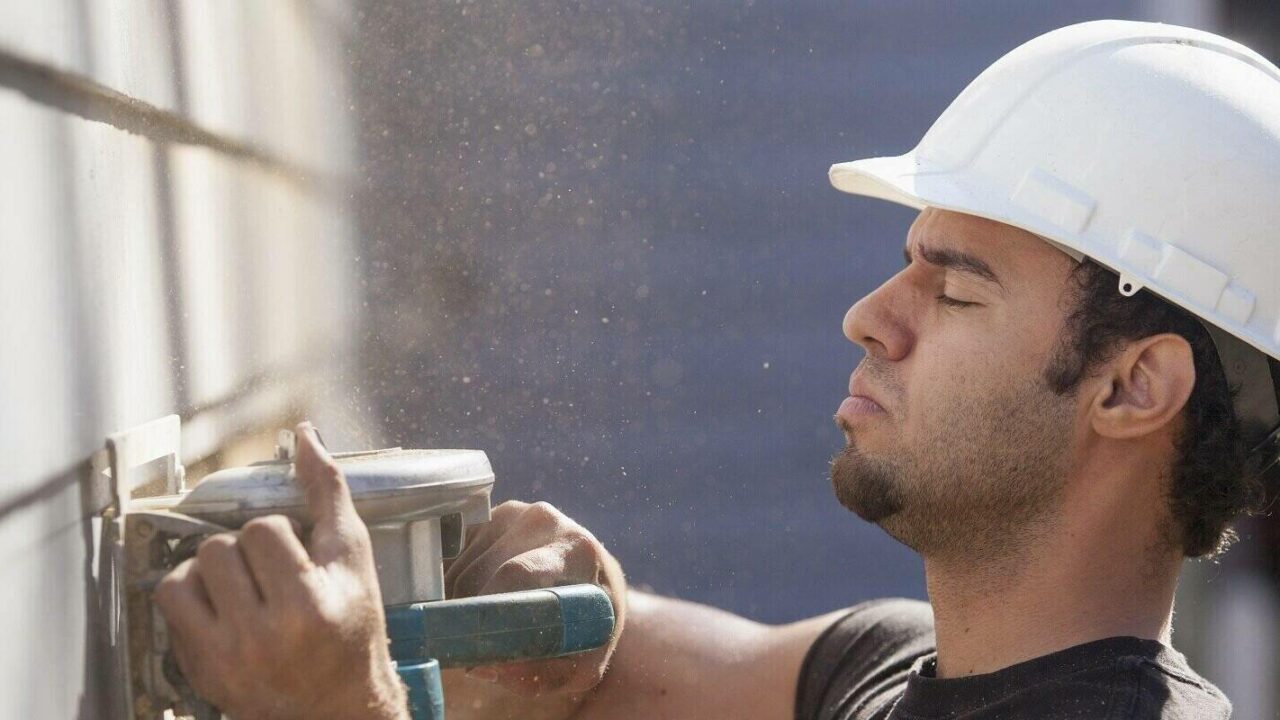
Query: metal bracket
[117, 476]
[116, 465]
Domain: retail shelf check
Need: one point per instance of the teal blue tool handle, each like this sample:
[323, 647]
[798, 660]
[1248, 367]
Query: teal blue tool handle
[524, 625]
[422, 686]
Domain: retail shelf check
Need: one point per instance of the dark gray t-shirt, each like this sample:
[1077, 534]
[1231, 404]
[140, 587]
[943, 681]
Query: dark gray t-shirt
[877, 663]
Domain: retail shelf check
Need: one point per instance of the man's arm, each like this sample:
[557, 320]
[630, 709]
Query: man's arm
[264, 626]
[681, 659]
[672, 658]
[676, 659]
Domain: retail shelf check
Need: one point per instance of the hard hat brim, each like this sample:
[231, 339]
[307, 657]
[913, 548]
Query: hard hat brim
[903, 179]
[884, 178]
[908, 180]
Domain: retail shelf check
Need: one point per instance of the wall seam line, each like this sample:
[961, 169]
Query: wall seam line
[91, 100]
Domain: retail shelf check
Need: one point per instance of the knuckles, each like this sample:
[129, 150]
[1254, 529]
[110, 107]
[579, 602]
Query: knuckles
[517, 516]
[266, 530]
[329, 472]
[232, 663]
[517, 573]
[216, 549]
[544, 515]
[311, 615]
[323, 468]
[168, 590]
[570, 554]
[358, 538]
[508, 511]
[584, 551]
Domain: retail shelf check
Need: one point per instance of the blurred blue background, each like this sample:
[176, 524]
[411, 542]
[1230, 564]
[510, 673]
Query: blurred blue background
[602, 247]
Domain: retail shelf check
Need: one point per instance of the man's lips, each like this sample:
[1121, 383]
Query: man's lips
[861, 402]
[858, 406]
[858, 390]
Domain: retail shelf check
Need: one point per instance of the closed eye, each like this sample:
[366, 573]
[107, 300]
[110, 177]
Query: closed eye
[949, 301]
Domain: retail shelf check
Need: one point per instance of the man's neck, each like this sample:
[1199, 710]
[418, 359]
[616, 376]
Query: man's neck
[1077, 585]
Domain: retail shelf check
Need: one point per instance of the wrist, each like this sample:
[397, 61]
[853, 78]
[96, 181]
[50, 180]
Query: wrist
[381, 697]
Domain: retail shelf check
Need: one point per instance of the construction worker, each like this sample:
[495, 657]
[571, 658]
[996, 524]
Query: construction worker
[1070, 387]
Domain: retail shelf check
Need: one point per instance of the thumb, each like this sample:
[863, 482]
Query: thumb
[337, 528]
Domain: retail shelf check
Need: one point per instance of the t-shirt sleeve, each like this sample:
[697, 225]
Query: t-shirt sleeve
[863, 659]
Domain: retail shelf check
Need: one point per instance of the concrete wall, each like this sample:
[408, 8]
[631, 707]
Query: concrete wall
[174, 238]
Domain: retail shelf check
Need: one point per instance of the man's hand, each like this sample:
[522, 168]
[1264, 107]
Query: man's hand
[535, 546]
[264, 627]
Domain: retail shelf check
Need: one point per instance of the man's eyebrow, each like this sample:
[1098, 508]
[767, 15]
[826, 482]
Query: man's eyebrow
[958, 261]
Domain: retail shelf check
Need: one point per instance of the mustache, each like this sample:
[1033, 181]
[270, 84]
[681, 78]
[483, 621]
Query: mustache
[883, 376]
[844, 425]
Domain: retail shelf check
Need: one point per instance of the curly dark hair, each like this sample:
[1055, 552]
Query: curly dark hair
[1209, 485]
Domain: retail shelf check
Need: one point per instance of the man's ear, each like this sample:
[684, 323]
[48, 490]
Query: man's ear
[1144, 387]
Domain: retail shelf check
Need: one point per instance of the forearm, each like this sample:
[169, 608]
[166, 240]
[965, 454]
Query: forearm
[681, 659]
[675, 659]
[671, 658]
[672, 653]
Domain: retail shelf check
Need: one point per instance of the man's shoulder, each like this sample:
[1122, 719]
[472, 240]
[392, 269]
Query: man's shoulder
[1116, 678]
[1163, 686]
[876, 662]
[875, 632]
[864, 658]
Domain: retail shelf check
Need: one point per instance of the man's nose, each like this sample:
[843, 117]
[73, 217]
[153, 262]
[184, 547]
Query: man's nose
[878, 322]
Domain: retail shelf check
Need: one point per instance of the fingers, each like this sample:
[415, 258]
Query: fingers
[533, 526]
[193, 625]
[183, 601]
[275, 556]
[535, 546]
[319, 477]
[227, 579]
[338, 532]
[259, 621]
[569, 560]
[485, 535]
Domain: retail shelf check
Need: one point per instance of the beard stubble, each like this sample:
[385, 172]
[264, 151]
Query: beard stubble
[980, 482]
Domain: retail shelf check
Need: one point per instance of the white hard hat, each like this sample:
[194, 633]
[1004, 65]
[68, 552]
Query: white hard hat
[1153, 150]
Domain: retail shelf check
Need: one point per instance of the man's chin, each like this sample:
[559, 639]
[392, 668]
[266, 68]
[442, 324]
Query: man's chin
[871, 489]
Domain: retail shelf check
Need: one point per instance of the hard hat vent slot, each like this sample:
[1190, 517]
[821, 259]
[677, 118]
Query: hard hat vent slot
[1054, 200]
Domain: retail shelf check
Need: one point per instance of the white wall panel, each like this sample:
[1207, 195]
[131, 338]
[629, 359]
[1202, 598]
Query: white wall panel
[120, 247]
[215, 66]
[265, 73]
[38, 302]
[48, 31]
[265, 269]
[212, 268]
[269, 74]
[44, 570]
[123, 44]
[130, 49]
[279, 250]
[140, 278]
[53, 395]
